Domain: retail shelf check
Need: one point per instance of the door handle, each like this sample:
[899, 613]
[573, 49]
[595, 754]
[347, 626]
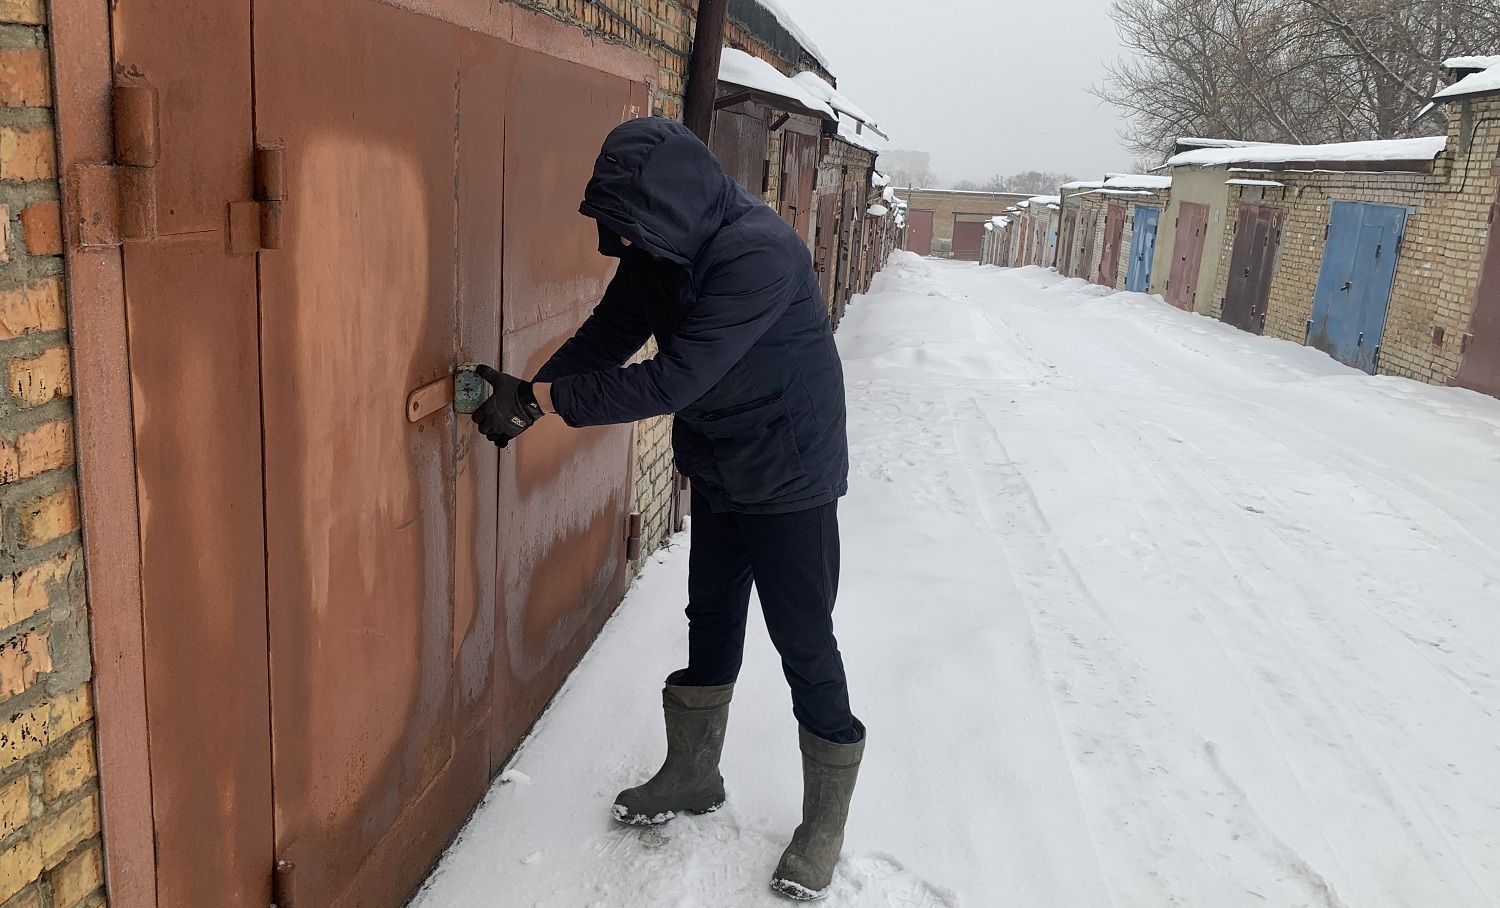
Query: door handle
[1346, 286]
[464, 389]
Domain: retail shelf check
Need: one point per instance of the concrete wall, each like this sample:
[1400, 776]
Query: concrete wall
[1205, 186]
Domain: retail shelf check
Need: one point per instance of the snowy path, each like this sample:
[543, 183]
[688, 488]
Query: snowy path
[1139, 610]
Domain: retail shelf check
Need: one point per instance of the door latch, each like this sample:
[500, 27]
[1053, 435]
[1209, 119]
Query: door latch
[463, 388]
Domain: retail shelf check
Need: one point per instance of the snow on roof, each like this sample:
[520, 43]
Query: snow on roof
[878, 211]
[1135, 181]
[866, 140]
[787, 22]
[739, 68]
[1000, 220]
[1045, 199]
[1473, 62]
[1199, 142]
[1483, 82]
[819, 88]
[1380, 150]
[889, 195]
[1125, 192]
[879, 180]
[1083, 184]
[1242, 182]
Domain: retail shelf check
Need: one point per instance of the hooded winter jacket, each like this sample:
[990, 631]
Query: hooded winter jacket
[746, 358]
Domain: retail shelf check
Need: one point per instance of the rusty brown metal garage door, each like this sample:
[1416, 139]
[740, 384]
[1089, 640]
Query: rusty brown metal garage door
[1480, 368]
[968, 238]
[1252, 264]
[364, 623]
[919, 232]
[1187, 254]
[826, 246]
[799, 177]
[1114, 234]
[741, 141]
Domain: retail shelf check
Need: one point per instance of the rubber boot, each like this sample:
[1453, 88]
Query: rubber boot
[828, 774]
[689, 780]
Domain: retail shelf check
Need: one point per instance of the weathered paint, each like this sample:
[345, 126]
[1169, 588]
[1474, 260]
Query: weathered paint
[741, 142]
[1354, 282]
[1187, 254]
[1252, 266]
[1114, 233]
[191, 308]
[799, 177]
[1201, 186]
[1142, 248]
[1480, 368]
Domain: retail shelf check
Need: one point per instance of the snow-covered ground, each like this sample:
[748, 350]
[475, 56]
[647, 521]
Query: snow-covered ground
[1139, 610]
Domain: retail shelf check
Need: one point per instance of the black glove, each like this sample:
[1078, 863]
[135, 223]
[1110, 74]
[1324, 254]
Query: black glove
[508, 412]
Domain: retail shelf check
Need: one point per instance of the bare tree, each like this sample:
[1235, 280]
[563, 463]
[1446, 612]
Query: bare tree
[1286, 70]
[916, 179]
[1034, 181]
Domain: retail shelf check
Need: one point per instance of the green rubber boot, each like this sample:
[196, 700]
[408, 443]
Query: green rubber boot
[689, 780]
[828, 774]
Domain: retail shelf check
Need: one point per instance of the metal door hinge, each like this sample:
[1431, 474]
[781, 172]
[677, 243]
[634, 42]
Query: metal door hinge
[115, 202]
[256, 225]
[633, 537]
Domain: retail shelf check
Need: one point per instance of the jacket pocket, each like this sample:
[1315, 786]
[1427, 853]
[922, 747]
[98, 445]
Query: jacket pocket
[755, 451]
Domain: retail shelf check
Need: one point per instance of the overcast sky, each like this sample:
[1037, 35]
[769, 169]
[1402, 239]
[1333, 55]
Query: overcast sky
[921, 69]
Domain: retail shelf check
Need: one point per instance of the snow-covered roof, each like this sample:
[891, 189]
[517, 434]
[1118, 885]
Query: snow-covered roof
[819, 88]
[1045, 199]
[1136, 181]
[878, 211]
[1125, 192]
[1200, 142]
[1000, 220]
[739, 68]
[1484, 82]
[775, 8]
[1424, 149]
[1242, 182]
[866, 140]
[1083, 184]
[879, 180]
[1472, 62]
[889, 196]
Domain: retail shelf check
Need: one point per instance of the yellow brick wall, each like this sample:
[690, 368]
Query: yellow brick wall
[1438, 266]
[49, 811]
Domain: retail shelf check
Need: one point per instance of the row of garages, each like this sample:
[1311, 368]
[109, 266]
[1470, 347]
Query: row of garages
[1378, 253]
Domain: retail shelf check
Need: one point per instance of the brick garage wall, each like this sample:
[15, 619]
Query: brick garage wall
[945, 205]
[49, 813]
[1438, 268]
[1205, 186]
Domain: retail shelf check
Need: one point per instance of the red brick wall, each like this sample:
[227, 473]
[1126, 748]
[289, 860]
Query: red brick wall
[49, 814]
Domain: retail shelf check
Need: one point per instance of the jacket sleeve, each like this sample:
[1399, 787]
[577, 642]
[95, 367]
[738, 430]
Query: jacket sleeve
[740, 301]
[615, 330]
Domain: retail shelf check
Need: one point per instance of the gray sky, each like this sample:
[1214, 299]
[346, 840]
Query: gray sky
[919, 69]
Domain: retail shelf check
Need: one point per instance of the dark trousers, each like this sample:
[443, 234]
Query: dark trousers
[793, 560]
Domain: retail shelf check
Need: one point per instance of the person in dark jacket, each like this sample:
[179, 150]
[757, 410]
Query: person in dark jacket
[747, 363]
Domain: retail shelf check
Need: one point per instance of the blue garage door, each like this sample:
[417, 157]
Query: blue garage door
[1354, 285]
[1142, 246]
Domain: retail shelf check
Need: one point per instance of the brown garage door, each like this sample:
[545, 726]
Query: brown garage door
[1480, 368]
[1187, 254]
[919, 232]
[1114, 233]
[741, 141]
[385, 626]
[968, 238]
[799, 177]
[1252, 264]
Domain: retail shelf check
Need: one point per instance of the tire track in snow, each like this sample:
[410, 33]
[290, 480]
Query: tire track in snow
[1155, 750]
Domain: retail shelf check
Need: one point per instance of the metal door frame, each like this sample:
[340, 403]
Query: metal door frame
[103, 419]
